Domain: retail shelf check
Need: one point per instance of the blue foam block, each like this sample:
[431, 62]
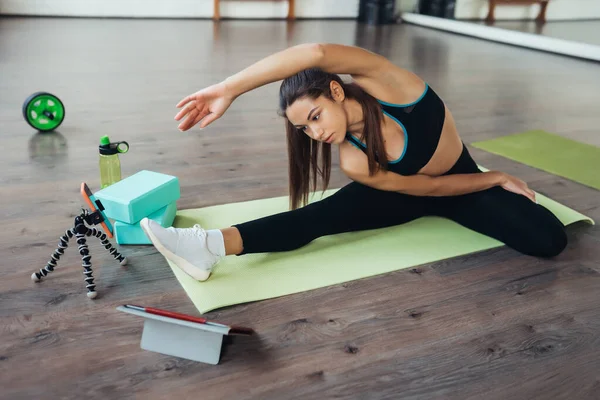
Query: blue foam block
[138, 196]
[134, 234]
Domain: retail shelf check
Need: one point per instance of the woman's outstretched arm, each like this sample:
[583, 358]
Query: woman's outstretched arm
[211, 103]
[334, 58]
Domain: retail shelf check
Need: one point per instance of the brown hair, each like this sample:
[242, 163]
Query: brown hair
[303, 152]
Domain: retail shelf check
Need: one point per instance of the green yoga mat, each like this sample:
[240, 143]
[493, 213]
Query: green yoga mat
[557, 155]
[328, 260]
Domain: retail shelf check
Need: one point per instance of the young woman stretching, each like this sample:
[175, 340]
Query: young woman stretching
[397, 141]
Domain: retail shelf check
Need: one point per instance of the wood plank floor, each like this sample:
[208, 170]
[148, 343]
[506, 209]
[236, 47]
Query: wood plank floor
[494, 325]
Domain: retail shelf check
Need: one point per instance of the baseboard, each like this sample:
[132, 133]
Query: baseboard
[522, 39]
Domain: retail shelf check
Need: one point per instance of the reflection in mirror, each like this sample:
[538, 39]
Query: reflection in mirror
[567, 27]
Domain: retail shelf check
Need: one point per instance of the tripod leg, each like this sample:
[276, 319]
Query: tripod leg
[60, 250]
[108, 246]
[86, 263]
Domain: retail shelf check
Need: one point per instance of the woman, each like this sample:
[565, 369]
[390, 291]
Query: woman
[397, 141]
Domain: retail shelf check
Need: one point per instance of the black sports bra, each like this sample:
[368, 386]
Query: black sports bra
[422, 122]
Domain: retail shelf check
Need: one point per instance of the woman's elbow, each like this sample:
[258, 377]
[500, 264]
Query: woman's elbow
[318, 53]
[316, 49]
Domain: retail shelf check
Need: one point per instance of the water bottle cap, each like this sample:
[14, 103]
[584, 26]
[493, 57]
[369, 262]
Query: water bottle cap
[108, 148]
[122, 147]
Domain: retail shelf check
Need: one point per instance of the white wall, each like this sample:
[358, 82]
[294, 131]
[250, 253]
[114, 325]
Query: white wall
[406, 5]
[465, 9]
[557, 10]
[180, 8]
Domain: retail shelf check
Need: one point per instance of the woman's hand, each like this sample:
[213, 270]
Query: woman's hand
[205, 105]
[517, 186]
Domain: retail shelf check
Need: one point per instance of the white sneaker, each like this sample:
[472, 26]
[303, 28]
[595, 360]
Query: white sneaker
[185, 247]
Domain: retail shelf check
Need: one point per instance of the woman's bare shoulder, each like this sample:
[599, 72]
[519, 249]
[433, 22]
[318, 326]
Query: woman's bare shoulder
[376, 74]
[394, 85]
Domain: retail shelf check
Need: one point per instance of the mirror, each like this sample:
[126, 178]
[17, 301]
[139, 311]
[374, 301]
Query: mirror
[567, 27]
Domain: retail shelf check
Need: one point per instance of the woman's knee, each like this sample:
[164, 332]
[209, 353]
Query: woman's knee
[547, 241]
[542, 232]
[515, 220]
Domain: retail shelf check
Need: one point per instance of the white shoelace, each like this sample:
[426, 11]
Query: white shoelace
[196, 230]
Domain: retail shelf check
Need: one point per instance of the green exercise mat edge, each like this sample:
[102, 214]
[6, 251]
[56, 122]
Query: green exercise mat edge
[567, 158]
[328, 260]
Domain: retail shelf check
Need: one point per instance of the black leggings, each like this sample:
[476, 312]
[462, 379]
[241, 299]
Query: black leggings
[510, 218]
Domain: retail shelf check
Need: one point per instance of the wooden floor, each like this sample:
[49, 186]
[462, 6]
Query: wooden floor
[494, 325]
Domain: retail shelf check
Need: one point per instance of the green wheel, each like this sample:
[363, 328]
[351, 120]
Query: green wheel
[43, 111]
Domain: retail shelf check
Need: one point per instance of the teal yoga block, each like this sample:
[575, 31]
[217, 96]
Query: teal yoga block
[134, 234]
[138, 196]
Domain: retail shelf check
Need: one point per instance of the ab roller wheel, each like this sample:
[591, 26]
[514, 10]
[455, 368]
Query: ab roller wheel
[43, 111]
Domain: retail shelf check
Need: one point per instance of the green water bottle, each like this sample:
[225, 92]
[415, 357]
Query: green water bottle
[110, 166]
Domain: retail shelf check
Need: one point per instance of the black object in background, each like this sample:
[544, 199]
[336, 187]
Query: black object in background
[437, 8]
[377, 12]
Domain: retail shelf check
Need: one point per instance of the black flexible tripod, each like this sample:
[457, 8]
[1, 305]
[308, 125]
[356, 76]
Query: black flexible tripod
[80, 231]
